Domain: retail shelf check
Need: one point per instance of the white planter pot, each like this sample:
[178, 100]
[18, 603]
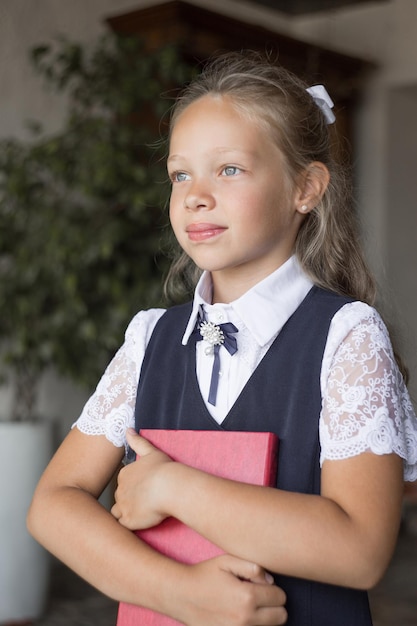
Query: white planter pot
[25, 449]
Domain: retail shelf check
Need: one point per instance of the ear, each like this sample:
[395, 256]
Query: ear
[311, 186]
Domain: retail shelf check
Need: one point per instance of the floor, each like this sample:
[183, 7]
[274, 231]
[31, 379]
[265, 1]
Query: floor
[393, 602]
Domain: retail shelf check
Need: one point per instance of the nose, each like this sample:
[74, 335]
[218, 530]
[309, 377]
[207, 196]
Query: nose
[199, 197]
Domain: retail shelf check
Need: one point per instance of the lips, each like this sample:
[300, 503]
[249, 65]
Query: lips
[202, 231]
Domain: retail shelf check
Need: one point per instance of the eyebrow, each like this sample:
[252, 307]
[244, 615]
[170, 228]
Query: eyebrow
[225, 150]
[173, 157]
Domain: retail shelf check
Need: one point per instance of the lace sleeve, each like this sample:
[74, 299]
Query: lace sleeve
[110, 410]
[366, 406]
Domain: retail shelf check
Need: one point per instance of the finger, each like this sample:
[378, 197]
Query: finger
[246, 570]
[275, 616]
[139, 444]
[264, 577]
[115, 511]
[270, 602]
[270, 595]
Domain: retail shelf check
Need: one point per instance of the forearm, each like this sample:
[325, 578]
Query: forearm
[73, 526]
[299, 535]
[277, 529]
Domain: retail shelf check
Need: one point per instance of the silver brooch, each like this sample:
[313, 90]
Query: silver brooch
[211, 333]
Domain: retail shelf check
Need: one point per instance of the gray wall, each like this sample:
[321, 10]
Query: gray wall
[401, 244]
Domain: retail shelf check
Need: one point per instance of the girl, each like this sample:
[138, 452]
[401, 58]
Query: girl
[257, 203]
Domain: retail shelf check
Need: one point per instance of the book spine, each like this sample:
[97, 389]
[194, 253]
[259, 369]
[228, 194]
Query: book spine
[270, 476]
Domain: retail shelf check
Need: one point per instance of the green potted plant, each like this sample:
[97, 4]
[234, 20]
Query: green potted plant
[81, 229]
[25, 444]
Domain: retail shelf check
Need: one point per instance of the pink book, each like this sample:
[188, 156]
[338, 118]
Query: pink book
[249, 457]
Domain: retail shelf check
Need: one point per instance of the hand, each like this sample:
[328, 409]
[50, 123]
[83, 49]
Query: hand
[138, 495]
[227, 591]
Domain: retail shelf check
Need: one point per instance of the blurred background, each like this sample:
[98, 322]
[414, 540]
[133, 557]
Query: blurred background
[82, 191]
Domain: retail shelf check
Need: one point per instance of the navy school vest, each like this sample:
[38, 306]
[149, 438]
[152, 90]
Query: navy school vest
[282, 396]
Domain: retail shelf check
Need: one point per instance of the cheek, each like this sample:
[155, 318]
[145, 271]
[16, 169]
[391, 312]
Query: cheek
[173, 211]
[175, 219]
[176, 198]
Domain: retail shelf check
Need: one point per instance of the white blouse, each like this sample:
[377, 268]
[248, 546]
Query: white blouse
[365, 404]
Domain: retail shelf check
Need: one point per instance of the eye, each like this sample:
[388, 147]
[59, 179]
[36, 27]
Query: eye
[230, 170]
[179, 177]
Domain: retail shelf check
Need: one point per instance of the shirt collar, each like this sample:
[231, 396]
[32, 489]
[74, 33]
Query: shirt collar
[202, 296]
[266, 307]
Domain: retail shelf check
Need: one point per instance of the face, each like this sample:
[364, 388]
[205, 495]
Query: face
[232, 208]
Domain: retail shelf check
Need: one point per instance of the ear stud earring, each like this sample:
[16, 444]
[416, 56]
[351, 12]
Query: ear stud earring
[303, 208]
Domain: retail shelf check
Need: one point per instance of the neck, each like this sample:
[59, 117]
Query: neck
[229, 286]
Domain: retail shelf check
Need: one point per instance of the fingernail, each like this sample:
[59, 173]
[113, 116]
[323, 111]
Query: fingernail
[269, 578]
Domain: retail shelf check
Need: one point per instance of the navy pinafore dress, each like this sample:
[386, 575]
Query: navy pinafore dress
[283, 396]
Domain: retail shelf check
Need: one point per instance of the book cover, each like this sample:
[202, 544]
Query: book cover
[249, 457]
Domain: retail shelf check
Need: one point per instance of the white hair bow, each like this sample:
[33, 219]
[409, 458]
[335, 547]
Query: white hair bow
[323, 101]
